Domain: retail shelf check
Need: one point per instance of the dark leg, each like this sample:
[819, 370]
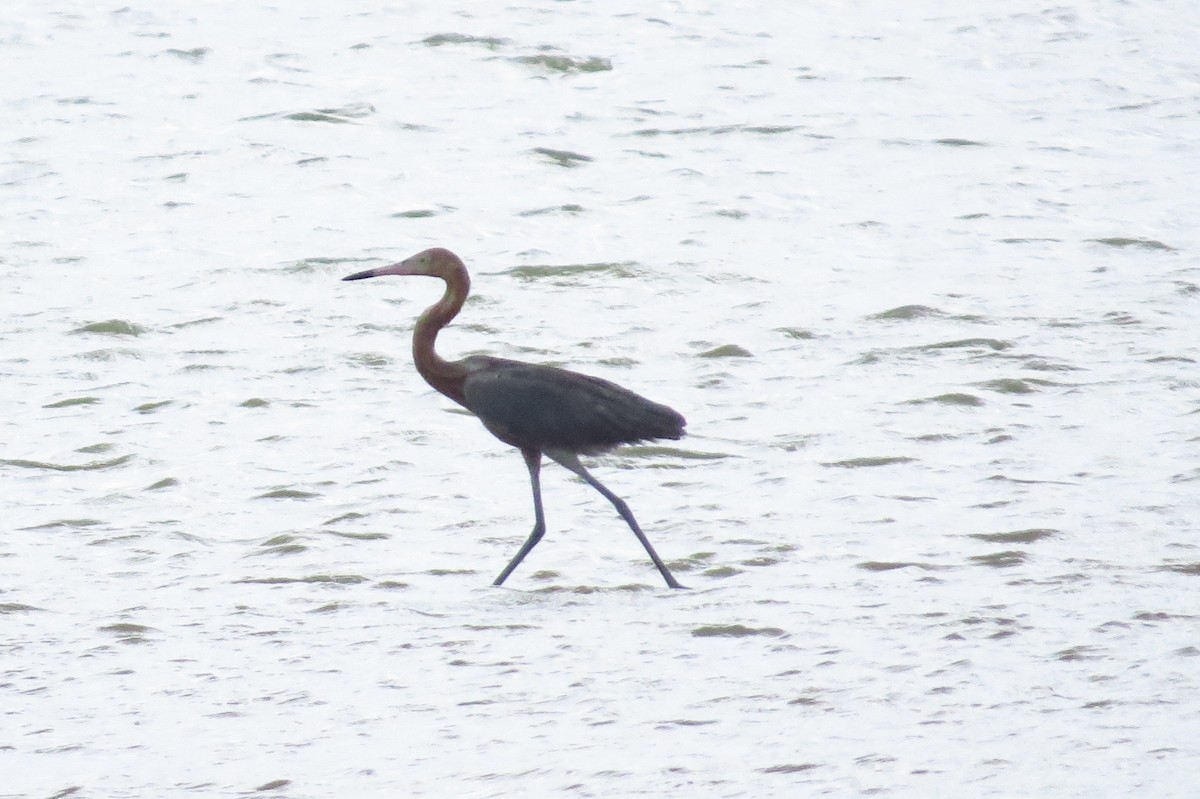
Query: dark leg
[571, 461]
[533, 459]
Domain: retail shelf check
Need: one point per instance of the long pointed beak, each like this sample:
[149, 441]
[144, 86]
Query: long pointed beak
[401, 268]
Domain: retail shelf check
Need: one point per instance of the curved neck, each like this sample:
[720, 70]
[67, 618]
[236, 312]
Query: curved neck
[446, 376]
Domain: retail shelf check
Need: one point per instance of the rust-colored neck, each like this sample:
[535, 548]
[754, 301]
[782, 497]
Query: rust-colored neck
[446, 376]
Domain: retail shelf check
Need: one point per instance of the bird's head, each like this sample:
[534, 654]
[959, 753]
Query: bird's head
[436, 262]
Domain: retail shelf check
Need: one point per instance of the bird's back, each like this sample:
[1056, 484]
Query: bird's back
[542, 407]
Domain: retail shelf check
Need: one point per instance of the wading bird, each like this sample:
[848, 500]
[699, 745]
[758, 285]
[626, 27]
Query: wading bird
[537, 409]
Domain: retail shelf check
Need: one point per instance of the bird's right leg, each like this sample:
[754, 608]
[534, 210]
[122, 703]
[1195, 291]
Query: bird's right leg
[533, 459]
[571, 461]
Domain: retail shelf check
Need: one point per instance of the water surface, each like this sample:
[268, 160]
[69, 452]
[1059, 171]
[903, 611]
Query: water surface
[923, 282]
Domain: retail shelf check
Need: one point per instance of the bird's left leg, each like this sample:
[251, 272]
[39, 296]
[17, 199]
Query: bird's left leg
[533, 459]
[571, 461]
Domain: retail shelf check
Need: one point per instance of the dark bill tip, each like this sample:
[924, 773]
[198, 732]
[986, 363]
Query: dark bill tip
[360, 275]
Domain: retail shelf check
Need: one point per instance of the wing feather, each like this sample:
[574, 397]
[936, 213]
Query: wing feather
[543, 407]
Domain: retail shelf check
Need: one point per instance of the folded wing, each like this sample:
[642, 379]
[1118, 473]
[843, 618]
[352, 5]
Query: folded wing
[542, 407]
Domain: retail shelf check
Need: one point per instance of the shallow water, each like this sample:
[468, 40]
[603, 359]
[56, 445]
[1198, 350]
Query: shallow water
[924, 284]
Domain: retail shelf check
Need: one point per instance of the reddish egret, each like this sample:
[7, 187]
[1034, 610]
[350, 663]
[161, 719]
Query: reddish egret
[537, 409]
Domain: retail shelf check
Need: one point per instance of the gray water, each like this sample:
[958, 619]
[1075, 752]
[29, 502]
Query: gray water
[924, 282]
